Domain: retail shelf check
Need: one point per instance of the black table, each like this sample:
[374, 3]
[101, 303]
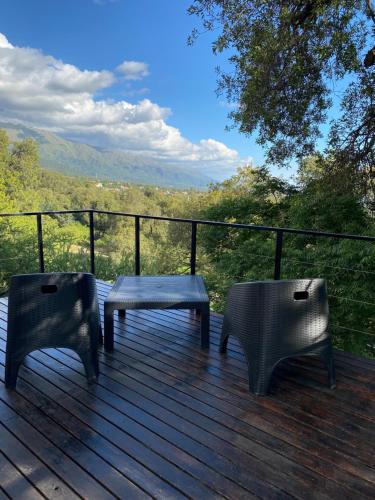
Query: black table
[157, 292]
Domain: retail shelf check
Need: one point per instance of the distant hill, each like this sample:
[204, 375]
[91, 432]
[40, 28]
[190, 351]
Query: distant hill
[73, 158]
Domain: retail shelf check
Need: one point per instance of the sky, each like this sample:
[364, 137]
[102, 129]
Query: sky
[119, 74]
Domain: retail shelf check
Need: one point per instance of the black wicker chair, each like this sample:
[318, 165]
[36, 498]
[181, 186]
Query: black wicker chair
[275, 320]
[52, 310]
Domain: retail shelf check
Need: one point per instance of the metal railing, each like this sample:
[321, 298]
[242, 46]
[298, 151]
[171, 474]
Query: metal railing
[278, 231]
[282, 262]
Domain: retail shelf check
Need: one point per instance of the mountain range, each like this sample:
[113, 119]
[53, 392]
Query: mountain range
[74, 158]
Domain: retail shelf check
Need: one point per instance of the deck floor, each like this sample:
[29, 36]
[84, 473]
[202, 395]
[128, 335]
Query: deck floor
[167, 420]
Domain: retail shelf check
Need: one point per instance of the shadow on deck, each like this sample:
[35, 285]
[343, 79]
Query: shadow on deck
[168, 420]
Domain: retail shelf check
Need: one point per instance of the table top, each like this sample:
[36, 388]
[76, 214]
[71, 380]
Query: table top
[154, 291]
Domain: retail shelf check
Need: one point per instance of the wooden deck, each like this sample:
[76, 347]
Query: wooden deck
[167, 420]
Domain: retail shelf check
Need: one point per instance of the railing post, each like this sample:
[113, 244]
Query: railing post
[40, 242]
[137, 246]
[278, 254]
[92, 242]
[193, 251]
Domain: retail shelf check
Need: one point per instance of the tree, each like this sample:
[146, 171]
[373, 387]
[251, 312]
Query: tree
[4, 182]
[24, 163]
[288, 57]
[4, 149]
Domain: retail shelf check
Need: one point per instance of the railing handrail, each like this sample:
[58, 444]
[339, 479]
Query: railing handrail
[47, 212]
[308, 232]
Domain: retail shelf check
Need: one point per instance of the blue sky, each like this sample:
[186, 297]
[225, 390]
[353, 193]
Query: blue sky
[177, 87]
[119, 74]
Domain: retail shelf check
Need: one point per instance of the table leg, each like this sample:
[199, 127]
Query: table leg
[108, 328]
[205, 326]
[122, 313]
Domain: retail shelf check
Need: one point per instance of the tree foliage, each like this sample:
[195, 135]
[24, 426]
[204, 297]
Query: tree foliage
[288, 58]
[224, 256]
[255, 196]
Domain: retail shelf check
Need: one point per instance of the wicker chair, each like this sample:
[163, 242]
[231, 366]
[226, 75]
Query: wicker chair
[52, 310]
[275, 320]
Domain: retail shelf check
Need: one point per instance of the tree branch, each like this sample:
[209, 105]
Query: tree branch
[307, 11]
[369, 58]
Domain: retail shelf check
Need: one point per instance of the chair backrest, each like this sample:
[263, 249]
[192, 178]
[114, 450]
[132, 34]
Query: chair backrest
[52, 309]
[296, 311]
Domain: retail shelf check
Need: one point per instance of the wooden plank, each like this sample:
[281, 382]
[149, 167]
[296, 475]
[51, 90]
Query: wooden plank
[112, 454]
[14, 484]
[355, 360]
[73, 475]
[223, 370]
[264, 463]
[163, 439]
[275, 464]
[3, 495]
[105, 420]
[228, 360]
[36, 471]
[363, 403]
[331, 414]
[162, 402]
[305, 494]
[231, 391]
[73, 448]
[223, 367]
[294, 477]
[196, 399]
[331, 426]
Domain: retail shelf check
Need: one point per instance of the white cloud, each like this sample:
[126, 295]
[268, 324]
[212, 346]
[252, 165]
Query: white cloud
[39, 90]
[4, 42]
[133, 70]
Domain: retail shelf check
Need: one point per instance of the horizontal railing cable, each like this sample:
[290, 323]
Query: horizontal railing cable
[16, 257]
[351, 300]
[370, 334]
[322, 263]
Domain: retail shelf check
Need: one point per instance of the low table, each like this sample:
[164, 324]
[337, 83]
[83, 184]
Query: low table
[157, 292]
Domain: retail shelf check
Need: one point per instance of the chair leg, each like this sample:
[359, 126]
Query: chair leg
[11, 373]
[324, 352]
[259, 378]
[205, 327]
[90, 364]
[223, 341]
[327, 358]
